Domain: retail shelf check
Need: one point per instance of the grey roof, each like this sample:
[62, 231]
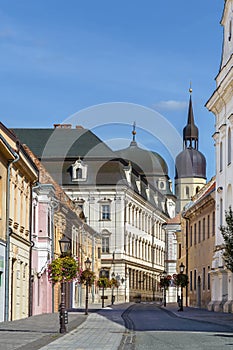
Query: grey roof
[146, 162]
[63, 143]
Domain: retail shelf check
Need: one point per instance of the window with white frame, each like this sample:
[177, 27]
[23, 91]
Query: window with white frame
[220, 157]
[229, 147]
[105, 212]
[105, 244]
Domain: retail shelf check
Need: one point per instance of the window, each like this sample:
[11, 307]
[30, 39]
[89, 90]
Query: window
[203, 229]
[105, 212]
[229, 147]
[230, 30]
[203, 278]
[105, 244]
[49, 224]
[179, 252]
[191, 280]
[208, 226]
[187, 192]
[220, 157]
[99, 253]
[213, 224]
[221, 211]
[79, 171]
[195, 233]
[195, 280]
[191, 236]
[208, 281]
[199, 231]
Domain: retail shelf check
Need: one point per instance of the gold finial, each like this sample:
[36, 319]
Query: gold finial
[134, 131]
[190, 88]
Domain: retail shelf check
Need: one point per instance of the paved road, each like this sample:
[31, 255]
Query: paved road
[151, 327]
[125, 326]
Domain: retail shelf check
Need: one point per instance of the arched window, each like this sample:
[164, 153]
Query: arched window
[229, 147]
[197, 189]
[220, 157]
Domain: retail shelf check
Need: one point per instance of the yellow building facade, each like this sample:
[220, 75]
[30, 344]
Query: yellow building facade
[196, 245]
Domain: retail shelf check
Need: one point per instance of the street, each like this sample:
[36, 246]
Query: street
[151, 327]
[127, 326]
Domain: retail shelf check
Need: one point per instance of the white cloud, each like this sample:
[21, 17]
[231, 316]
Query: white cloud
[170, 105]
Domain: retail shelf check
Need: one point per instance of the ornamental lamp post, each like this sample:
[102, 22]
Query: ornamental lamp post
[182, 267]
[65, 248]
[87, 266]
[113, 296]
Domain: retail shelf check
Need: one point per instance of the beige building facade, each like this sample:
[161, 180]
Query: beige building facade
[196, 245]
[22, 174]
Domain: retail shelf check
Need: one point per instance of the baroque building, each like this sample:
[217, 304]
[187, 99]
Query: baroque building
[221, 105]
[125, 197]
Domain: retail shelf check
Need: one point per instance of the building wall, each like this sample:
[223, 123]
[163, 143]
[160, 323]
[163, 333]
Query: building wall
[200, 254]
[221, 105]
[133, 241]
[185, 189]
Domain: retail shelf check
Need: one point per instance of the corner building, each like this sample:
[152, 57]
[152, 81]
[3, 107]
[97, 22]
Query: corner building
[221, 105]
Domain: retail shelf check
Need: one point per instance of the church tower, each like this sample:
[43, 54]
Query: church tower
[190, 163]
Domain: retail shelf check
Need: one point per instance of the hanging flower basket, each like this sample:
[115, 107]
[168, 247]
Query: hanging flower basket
[87, 276]
[165, 282]
[103, 282]
[181, 279]
[64, 269]
[114, 283]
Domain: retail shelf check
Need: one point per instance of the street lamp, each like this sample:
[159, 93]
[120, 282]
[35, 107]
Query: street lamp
[182, 267]
[113, 296]
[87, 266]
[65, 248]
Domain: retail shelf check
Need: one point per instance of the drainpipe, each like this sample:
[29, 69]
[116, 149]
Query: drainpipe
[7, 256]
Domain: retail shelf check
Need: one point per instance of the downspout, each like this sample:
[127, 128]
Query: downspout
[7, 257]
[30, 261]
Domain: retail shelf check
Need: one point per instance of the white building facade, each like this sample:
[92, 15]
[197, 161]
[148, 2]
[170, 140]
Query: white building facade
[221, 104]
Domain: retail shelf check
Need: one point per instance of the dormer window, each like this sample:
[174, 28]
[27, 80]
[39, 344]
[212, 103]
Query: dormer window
[79, 171]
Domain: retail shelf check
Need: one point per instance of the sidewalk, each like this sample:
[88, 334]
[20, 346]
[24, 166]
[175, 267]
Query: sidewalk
[84, 332]
[221, 318]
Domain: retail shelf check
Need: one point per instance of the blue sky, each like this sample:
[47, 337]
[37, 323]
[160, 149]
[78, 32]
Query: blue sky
[59, 57]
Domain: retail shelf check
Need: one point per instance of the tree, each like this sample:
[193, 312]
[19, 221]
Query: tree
[227, 233]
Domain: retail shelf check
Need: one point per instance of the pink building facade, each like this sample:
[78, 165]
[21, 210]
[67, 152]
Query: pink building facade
[43, 206]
